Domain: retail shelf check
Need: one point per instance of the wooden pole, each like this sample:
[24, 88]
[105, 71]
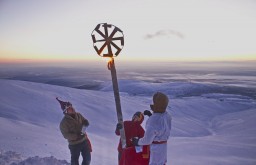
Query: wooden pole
[112, 68]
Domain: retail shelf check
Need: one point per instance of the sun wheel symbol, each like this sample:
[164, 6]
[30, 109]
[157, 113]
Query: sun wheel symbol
[108, 40]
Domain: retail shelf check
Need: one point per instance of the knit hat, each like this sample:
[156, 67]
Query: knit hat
[139, 115]
[160, 101]
[64, 105]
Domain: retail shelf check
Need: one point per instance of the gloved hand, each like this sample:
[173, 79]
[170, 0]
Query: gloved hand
[135, 141]
[86, 123]
[119, 126]
[148, 113]
[80, 135]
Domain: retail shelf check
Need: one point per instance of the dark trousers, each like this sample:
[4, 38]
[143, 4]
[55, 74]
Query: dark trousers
[119, 157]
[82, 148]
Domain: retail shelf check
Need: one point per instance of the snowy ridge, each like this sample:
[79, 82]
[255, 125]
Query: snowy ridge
[133, 87]
[214, 128]
[177, 88]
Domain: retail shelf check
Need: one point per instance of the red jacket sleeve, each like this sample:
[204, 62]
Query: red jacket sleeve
[140, 130]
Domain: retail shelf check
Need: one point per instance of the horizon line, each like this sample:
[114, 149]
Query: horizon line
[60, 61]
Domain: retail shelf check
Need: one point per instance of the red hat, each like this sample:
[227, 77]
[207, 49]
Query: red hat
[64, 105]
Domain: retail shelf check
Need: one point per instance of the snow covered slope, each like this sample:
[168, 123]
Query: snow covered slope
[207, 129]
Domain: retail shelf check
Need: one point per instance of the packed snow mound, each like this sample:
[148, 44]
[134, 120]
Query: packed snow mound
[42, 161]
[9, 157]
[13, 158]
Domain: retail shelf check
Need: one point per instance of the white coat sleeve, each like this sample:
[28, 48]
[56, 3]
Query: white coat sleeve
[149, 136]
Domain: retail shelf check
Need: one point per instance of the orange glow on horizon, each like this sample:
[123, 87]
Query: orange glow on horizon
[14, 57]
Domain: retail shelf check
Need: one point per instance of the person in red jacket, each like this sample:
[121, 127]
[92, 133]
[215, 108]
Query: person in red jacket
[132, 129]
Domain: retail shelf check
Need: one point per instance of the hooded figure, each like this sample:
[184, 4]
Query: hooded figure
[157, 132]
[132, 129]
[71, 128]
[160, 102]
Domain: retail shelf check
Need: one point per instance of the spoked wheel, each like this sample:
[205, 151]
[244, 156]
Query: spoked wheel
[108, 40]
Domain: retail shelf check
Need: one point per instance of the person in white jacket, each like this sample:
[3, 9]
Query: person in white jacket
[157, 132]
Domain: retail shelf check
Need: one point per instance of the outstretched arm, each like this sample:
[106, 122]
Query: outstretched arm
[149, 136]
[84, 120]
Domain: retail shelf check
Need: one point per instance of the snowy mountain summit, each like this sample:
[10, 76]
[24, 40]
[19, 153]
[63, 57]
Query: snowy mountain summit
[208, 128]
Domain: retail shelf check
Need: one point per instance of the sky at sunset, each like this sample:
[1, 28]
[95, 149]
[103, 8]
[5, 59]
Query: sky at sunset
[163, 30]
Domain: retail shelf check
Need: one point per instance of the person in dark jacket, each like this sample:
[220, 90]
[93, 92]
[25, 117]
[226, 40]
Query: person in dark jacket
[132, 129]
[71, 128]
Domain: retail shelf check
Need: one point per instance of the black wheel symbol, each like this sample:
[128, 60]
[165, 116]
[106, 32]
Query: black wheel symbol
[107, 39]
